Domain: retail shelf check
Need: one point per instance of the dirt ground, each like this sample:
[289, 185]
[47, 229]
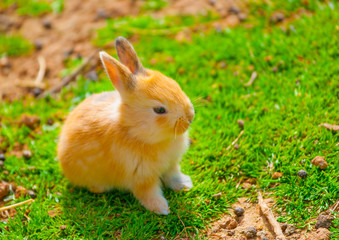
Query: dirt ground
[71, 31]
[232, 227]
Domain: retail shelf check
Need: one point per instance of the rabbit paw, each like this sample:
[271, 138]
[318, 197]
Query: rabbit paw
[180, 182]
[157, 204]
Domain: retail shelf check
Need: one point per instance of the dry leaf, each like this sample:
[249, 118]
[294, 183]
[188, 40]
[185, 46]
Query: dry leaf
[330, 126]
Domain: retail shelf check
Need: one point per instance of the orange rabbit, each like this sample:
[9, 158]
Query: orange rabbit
[131, 138]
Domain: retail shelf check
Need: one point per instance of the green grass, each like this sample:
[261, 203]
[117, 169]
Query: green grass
[14, 45]
[294, 92]
[34, 7]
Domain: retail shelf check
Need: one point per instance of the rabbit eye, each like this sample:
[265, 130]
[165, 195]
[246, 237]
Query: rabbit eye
[159, 110]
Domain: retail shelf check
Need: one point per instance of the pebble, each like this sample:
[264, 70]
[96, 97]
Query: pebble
[242, 16]
[229, 224]
[277, 17]
[102, 14]
[1, 164]
[250, 232]
[31, 193]
[27, 154]
[290, 229]
[36, 91]
[324, 221]
[2, 157]
[302, 174]
[230, 232]
[262, 234]
[67, 53]
[38, 45]
[234, 9]
[241, 123]
[47, 23]
[239, 211]
[92, 75]
[50, 121]
[236, 146]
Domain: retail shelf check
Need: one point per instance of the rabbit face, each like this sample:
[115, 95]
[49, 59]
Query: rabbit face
[157, 107]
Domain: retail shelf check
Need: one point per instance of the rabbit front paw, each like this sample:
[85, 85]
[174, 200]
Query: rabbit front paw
[179, 182]
[157, 204]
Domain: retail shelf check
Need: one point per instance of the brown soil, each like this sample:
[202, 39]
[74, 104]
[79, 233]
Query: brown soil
[75, 27]
[253, 217]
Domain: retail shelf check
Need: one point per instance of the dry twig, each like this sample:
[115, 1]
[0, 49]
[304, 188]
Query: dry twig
[330, 126]
[253, 77]
[269, 215]
[69, 78]
[38, 80]
[42, 70]
[16, 205]
[235, 141]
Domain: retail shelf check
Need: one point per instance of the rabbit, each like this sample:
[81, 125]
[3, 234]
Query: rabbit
[132, 138]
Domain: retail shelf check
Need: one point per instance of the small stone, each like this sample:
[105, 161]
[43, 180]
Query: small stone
[37, 45]
[277, 175]
[47, 23]
[239, 211]
[2, 164]
[229, 224]
[31, 193]
[27, 154]
[236, 146]
[212, 2]
[2, 157]
[290, 229]
[261, 234]
[102, 14]
[67, 53]
[324, 221]
[241, 123]
[222, 65]
[320, 162]
[302, 174]
[230, 232]
[93, 76]
[63, 227]
[37, 91]
[250, 232]
[50, 121]
[234, 9]
[242, 16]
[277, 17]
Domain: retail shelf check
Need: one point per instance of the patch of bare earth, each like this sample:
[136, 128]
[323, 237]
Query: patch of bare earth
[254, 225]
[70, 33]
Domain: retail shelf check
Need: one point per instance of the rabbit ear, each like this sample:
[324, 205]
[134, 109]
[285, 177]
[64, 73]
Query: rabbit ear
[127, 55]
[120, 75]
